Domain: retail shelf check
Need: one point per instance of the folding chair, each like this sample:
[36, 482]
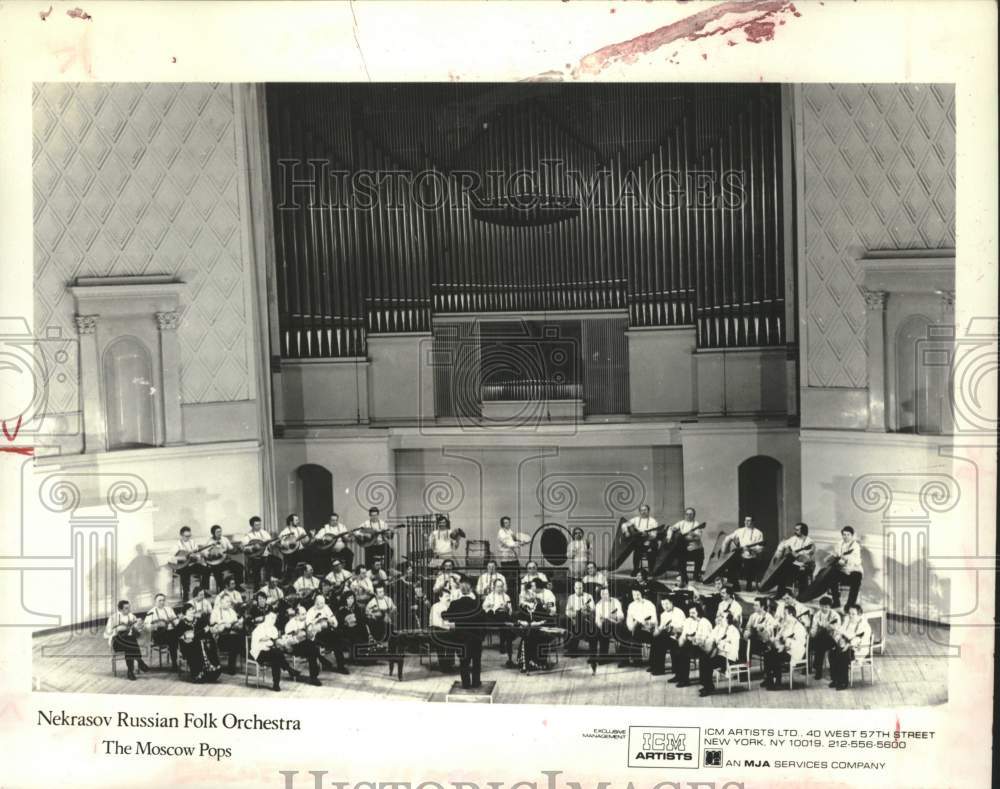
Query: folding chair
[738, 669]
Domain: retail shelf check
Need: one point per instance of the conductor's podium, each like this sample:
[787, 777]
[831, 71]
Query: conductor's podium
[481, 695]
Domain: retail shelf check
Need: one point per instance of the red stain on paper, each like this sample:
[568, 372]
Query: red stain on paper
[11, 437]
[756, 20]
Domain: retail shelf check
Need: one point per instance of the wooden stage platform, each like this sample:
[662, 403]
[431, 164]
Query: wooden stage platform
[913, 671]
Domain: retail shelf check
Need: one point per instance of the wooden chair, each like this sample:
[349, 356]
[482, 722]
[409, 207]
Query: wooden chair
[866, 660]
[251, 663]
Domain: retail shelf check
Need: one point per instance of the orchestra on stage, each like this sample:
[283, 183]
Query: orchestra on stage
[337, 596]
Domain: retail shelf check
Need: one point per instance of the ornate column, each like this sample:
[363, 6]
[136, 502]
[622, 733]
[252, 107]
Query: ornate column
[95, 436]
[876, 299]
[170, 359]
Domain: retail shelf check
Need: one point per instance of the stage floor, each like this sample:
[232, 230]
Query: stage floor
[913, 671]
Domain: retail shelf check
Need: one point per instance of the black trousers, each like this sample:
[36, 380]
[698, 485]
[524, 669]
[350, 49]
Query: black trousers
[275, 659]
[130, 647]
[853, 581]
[578, 627]
[167, 638]
[706, 666]
[345, 557]
[747, 570]
[646, 549]
[228, 567]
[232, 644]
[310, 651]
[840, 665]
[185, 573]
[682, 664]
[604, 635]
[774, 665]
[662, 646]
[630, 642]
[821, 645]
[470, 660]
[698, 557]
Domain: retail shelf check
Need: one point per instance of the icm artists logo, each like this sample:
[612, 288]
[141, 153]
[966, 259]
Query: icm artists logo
[664, 746]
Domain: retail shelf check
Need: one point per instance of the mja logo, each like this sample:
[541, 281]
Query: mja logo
[664, 746]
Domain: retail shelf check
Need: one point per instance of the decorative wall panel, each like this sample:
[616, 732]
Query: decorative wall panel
[879, 174]
[142, 179]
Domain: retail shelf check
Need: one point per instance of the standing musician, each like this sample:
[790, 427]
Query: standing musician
[302, 641]
[849, 568]
[728, 604]
[760, 627]
[291, 542]
[487, 581]
[338, 577]
[824, 628]
[275, 594]
[853, 640]
[665, 637]
[497, 611]
[447, 579]
[186, 550]
[640, 622]
[307, 584]
[442, 541]
[322, 624]
[220, 546]
[161, 622]
[362, 586]
[466, 615]
[788, 647]
[264, 649]
[696, 632]
[509, 545]
[722, 646]
[688, 529]
[197, 647]
[439, 626]
[643, 524]
[380, 612]
[580, 618]
[122, 633]
[326, 535]
[340, 551]
[748, 540]
[379, 548]
[803, 552]
[227, 628]
[578, 553]
[261, 565]
[608, 615]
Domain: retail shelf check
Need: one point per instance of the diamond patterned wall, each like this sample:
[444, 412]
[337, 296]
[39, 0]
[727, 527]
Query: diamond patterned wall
[142, 179]
[879, 170]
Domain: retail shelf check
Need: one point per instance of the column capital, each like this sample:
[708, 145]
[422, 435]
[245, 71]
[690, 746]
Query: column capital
[167, 321]
[947, 298]
[875, 299]
[86, 324]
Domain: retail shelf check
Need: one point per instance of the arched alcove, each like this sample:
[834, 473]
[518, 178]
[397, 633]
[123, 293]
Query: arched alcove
[129, 394]
[314, 492]
[761, 495]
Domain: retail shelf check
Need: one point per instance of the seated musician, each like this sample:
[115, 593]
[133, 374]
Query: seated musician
[292, 535]
[531, 572]
[803, 552]
[338, 577]
[580, 618]
[227, 628]
[447, 579]
[444, 648]
[788, 646]
[122, 634]
[362, 586]
[578, 553]
[307, 584]
[509, 550]
[853, 640]
[321, 558]
[320, 620]
[640, 581]
[256, 611]
[536, 608]
[748, 540]
[608, 615]
[305, 646]
[539, 589]
[849, 568]
[264, 649]
[380, 612]
[687, 529]
[161, 622]
[352, 629]
[486, 582]
[497, 612]
[261, 566]
[197, 647]
[696, 631]
[665, 637]
[648, 529]
[378, 573]
[593, 579]
[723, 645]
[380, 531]
[202, 603]
[275, 594]
[232, 593]
[825, 625]
[637, 629]
[728, 604]
[185, 548]
[760, 627]
[227, 566]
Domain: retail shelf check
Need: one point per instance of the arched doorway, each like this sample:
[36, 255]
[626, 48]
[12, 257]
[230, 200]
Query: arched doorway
[761, 485]
[314, 486]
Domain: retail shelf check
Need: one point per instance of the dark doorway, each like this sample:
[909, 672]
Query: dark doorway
[761, 496]
[315, 488]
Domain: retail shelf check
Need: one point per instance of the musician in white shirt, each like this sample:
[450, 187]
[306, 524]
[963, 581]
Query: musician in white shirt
[444, 647]
[498, 612]
[273, 590]
[593, 579]
[787, 648]
[307, 583]
[122, 634]
[264, 649]
[232, 593]
[696, 632]
[849, 568]
[640, 621]
[578, 553]
[803, 552]
[688, 530]
[825, 625]
[441, 542]
[509, 545]
[226, 627]
[380, 611]
[184, 549]
[322, 557]
[531, 573]
[854, 641]
[723, 645]
[749, 541]
[306, 646]
[294, 536]
[447, 579]
[338, 576]
[728, 605]
[580, 618]
[487, 581]
[608, 615]
[665, 639]
[362, 585]
[759, 627]
[538, 594]
[161, 622]
[647, 528]
[259, 567]
[379, 546]
[221, 545]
